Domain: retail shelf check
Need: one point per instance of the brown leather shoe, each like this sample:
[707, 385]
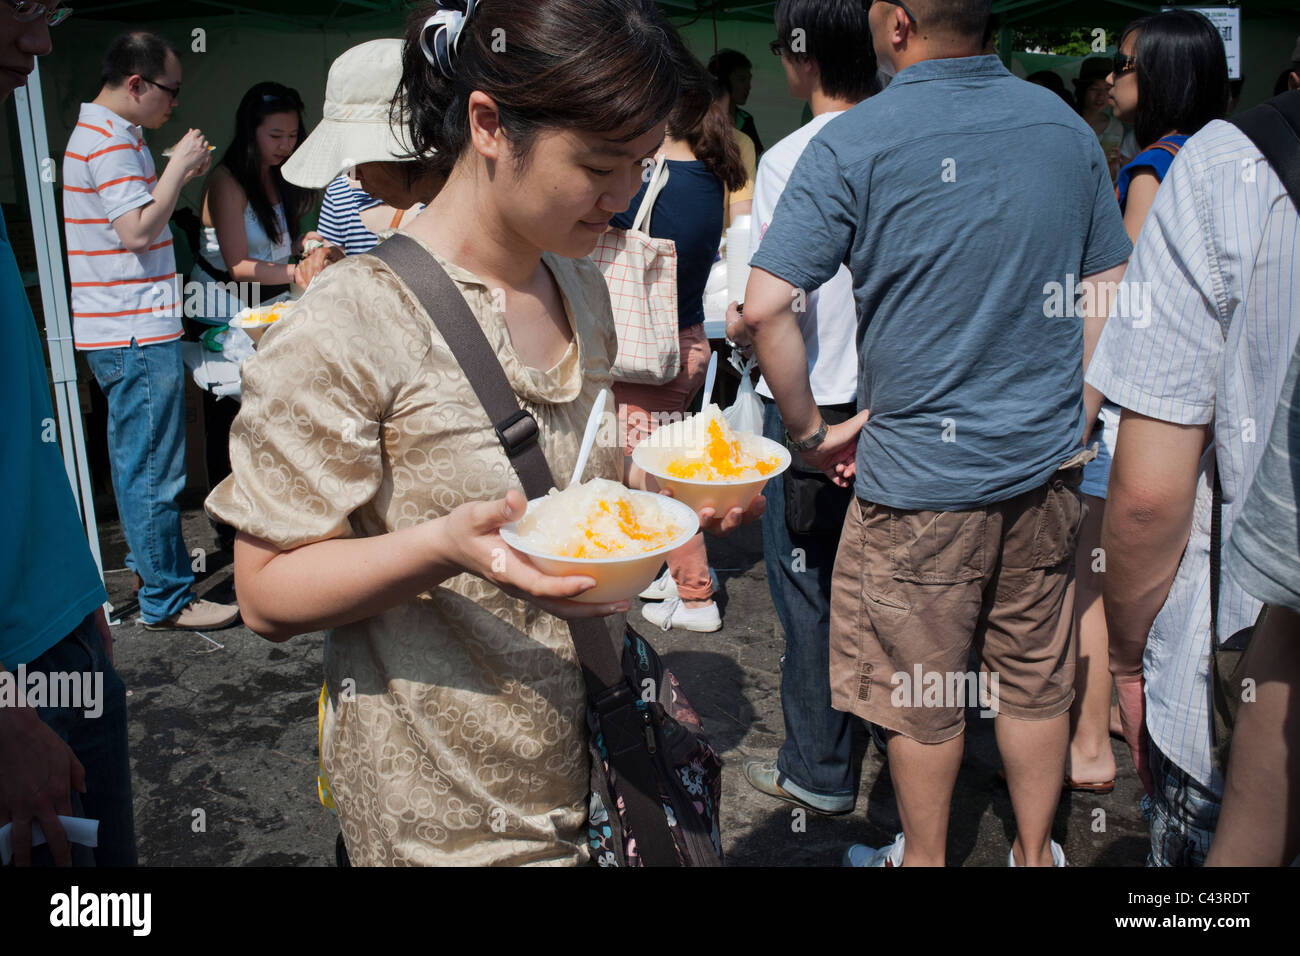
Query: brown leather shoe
[198, 616]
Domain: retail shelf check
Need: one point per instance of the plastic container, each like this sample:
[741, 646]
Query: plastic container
[721, 496]
[617, 578]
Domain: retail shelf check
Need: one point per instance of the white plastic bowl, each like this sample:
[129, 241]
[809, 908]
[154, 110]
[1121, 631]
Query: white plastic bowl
[616, 577]
[721, 496]
[247, 320]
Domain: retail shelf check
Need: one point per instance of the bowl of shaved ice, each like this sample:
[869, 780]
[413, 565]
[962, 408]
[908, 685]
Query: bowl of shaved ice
[257, 320]
[603, 530]
[707, 464]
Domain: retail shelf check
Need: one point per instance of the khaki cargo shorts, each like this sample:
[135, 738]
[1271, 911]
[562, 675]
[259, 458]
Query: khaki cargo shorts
[914, 590]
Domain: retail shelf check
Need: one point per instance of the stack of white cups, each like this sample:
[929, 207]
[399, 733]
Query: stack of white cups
[738, 258]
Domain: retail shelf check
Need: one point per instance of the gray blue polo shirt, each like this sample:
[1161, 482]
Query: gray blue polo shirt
[968, 204]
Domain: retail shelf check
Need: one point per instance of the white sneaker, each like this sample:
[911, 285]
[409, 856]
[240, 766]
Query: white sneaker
[861, 855]
[1058, 856]
[673, 613]
[664, 587]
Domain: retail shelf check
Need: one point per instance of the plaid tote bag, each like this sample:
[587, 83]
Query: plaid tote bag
[641, 273]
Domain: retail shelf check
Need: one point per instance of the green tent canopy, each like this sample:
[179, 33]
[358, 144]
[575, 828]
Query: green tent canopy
[315, 14]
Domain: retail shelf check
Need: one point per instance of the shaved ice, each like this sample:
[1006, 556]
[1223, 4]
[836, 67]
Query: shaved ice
[705, 448]
[598, 519]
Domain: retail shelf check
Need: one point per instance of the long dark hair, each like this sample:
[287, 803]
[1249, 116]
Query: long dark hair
[599, 66]
[244, 160]
[1182, 73]
[709, 135]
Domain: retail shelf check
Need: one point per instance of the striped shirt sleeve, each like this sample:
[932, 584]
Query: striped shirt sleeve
[335, 211]
[120, 178]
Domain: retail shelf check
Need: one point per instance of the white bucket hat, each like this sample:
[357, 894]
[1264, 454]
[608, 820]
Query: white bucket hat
[355, 128]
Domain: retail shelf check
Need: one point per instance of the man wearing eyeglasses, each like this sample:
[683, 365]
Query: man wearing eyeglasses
[957, 197]
[54, 760]
[126, 312]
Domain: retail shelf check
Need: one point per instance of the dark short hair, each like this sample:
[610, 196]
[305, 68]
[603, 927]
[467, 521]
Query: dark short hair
[135, 52]
[1182, 73]
[954, 18]
[836, 36]
[1051, 81]
[726, 62]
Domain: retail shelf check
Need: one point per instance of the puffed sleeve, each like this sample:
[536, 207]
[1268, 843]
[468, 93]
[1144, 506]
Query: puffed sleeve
[305, 449]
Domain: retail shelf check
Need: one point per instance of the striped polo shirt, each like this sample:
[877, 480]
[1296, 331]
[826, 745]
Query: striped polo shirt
[117, 295]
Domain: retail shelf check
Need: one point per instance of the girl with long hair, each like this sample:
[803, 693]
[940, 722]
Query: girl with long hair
[251, 214]
[369, 484]
[1170, 78]
[251, 221]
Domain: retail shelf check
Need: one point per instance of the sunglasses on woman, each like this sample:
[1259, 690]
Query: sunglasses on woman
[1123, 64]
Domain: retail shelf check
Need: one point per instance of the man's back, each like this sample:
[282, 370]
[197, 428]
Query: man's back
[957, 197]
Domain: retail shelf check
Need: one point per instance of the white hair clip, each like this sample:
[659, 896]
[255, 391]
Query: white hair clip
[440, 37]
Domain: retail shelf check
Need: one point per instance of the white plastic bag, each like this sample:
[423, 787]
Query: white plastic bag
[746, 412]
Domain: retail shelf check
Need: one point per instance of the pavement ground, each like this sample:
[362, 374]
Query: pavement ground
[223, 740]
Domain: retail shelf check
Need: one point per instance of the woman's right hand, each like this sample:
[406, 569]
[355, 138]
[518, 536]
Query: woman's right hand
[472, 530]
[191, 155]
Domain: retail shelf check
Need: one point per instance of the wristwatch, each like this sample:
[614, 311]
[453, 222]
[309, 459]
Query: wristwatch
[809, 443]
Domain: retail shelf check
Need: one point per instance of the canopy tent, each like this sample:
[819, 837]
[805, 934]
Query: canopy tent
[228, 45]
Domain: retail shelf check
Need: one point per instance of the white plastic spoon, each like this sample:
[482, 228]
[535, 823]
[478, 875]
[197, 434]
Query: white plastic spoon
[589, 436]
[709, 377]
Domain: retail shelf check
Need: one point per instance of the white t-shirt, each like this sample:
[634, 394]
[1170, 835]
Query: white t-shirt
[830, 323]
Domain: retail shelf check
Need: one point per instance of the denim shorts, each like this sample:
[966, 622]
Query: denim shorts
[1096, 474]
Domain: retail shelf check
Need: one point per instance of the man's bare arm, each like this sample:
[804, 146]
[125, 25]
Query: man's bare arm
[139, 227]
[1145, 528]
[773, 327]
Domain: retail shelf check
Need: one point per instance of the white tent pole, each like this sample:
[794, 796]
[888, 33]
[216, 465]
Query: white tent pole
[41, 171]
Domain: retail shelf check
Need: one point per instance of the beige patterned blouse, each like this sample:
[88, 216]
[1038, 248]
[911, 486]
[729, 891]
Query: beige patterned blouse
[456, 728]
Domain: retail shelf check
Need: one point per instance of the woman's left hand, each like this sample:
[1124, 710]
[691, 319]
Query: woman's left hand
[729, 522]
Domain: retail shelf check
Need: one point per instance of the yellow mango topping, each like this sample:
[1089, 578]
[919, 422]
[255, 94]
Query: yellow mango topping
[723, 461]
[637, 537]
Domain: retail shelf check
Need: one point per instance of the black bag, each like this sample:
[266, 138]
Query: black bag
[813, 503]
[651, 762]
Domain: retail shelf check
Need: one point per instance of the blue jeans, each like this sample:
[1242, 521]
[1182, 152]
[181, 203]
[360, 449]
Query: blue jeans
[145, 388]
[98, 740]
[1183, 815]
[815, 763]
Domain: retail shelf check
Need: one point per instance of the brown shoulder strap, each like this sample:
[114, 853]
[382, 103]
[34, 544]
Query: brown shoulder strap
[516, 429]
